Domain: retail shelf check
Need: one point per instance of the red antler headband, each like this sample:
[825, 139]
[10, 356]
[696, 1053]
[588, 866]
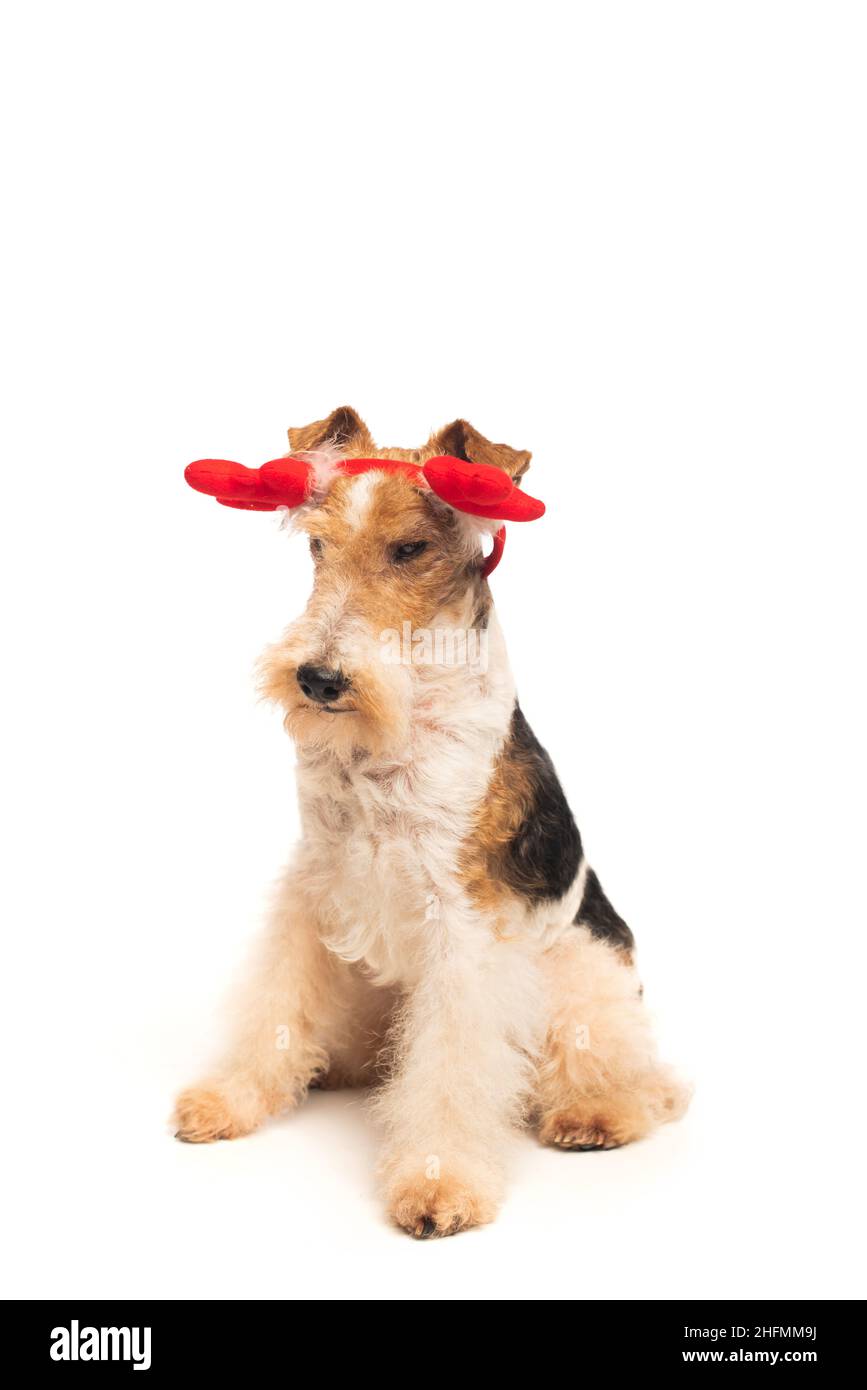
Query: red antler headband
[479, 489]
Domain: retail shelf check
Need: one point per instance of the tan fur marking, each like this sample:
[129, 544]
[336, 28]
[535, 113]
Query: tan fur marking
[463, 441]
[357, 575]
[343, 428]
[506, 804]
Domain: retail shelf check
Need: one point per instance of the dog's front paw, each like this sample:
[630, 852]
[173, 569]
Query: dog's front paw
[427, 1198]
[208, 1112]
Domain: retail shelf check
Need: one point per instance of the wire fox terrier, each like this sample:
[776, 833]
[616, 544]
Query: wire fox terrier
[439, 934]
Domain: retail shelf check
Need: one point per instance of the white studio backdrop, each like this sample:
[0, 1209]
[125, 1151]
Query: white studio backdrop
[629, 237]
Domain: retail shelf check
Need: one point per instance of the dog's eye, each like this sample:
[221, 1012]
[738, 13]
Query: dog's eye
[407, 550]
[316, 547]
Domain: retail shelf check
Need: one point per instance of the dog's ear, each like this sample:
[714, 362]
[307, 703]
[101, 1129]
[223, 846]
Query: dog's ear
[343, 429]
[462, 441]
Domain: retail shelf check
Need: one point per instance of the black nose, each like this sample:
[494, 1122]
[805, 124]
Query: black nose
[321, 685]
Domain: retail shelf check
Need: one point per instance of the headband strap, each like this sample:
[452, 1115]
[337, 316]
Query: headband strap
[477, 489]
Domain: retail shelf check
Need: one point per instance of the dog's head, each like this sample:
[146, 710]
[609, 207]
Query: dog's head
[395, 568]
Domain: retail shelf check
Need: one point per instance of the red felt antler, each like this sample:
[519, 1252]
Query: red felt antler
[480, 489]
[283, 482]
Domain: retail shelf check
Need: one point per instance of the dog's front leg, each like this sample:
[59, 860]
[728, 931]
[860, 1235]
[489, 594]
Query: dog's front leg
[280, 1019]
[461, 1069]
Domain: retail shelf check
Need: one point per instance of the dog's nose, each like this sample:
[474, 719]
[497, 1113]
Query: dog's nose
[321, 685]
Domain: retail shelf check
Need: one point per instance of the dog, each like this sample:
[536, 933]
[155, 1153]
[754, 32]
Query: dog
[439, 936]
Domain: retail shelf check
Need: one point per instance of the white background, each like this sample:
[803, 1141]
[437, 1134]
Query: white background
[630, 237]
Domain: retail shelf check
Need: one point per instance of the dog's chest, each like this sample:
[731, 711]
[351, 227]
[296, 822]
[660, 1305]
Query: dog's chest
[383, 848]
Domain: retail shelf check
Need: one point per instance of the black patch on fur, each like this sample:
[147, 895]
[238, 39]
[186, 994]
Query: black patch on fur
[597, 913]
[545, 853]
